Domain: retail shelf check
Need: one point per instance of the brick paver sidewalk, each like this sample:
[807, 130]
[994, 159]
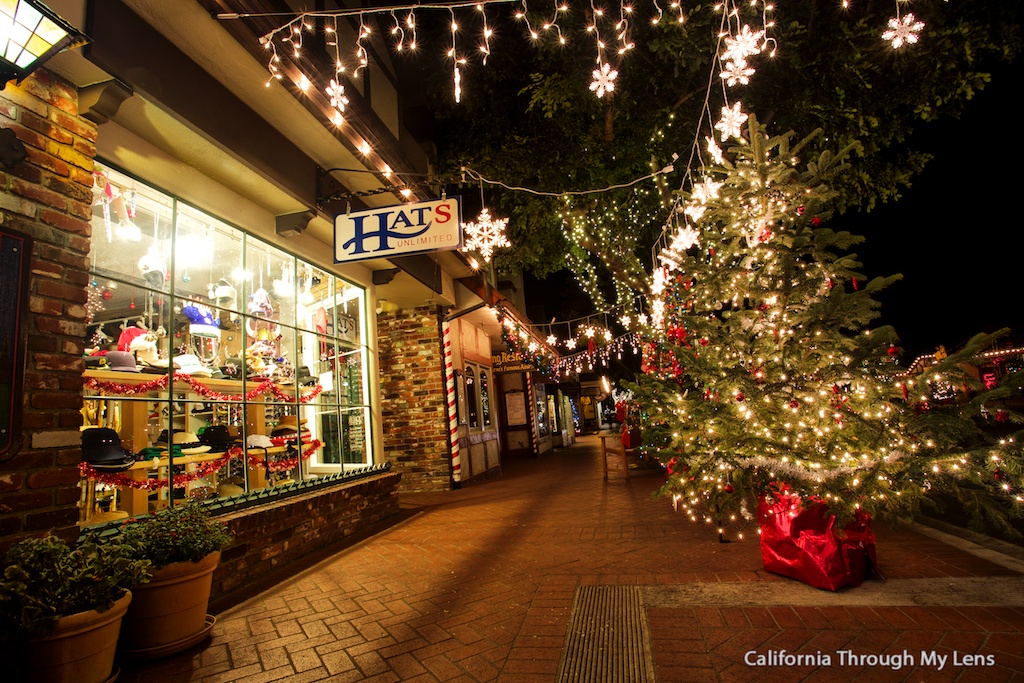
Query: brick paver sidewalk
[482, 584]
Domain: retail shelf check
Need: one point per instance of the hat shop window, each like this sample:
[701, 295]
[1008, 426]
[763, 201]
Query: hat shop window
[214, 361]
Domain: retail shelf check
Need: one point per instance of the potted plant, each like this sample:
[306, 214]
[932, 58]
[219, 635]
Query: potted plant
[168, 614]
[61, 607]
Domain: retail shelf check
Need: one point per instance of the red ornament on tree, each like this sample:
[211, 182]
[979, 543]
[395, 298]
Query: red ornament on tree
[107, 295]
[740, 398]
[794, 404]
[729, 488]
[892, 351]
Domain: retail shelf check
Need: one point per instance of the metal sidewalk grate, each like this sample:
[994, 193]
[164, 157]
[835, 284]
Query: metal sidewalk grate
[607, 638]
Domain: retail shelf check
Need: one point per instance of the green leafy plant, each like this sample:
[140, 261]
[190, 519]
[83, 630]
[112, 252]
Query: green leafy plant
[45, 579]
[184, 533]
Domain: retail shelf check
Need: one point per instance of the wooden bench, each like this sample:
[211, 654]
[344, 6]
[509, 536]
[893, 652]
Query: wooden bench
[611, 446]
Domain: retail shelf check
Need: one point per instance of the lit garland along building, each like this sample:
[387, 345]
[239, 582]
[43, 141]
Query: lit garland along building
[179, 208]
[988, 368]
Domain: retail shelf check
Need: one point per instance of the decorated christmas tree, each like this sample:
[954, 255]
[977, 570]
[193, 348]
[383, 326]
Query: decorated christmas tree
[762, 378]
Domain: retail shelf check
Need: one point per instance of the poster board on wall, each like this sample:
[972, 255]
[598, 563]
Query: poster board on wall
[515, 408]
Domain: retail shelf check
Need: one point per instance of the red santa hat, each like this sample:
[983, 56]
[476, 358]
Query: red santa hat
[128, 335]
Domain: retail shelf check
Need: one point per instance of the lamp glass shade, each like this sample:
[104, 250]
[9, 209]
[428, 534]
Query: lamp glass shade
[29, 34]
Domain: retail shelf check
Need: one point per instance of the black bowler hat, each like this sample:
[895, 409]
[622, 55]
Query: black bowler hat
[101, 448]
[218, 438]
[304, 378]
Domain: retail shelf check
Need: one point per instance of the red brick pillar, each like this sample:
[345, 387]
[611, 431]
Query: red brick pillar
[48, 196]
[413, 407]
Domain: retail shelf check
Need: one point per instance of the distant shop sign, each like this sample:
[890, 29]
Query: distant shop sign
[507, 361]
[398, 230]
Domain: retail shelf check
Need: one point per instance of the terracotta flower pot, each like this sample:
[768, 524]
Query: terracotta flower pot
[168, 614]
[79, 650]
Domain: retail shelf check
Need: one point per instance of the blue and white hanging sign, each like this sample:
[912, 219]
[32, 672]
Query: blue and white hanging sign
[398, 230]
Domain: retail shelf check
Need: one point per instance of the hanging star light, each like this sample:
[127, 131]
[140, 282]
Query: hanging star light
[903, 30]
[604, 80]
[486, 235]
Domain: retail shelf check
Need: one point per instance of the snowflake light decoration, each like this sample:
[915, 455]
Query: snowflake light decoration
[695, 211]
[903, 30]
[706, 190]
[714, 150]
[336, 91]
[672, 257]
[736, 73]
[486, 235]
[744, 44]
[731, 123]
[604, 80]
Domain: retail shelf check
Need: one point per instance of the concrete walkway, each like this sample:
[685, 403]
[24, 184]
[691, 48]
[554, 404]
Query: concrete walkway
[549, 573]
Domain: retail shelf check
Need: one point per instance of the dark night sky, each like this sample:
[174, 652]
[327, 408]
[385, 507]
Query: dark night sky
[954, 235]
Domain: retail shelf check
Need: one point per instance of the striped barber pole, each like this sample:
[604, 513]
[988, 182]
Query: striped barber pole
[533, 409]
[453, 419]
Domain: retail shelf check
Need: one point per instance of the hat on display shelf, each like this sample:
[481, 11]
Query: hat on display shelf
[121, 361]
[218, 438]
[304, 378]
[258, 441]
[101, 448]
[201, 322]
[289, 422]
[233, 368]
[189, 443]
[191, 365]
[128, 336]
[287, 431]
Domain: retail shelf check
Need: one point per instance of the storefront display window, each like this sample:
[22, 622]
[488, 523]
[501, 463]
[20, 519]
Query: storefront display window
[543, 426]
[273, 346]
[474, 402]
[485, 400]
[471, 398]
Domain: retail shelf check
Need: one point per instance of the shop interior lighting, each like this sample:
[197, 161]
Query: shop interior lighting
[31, 33]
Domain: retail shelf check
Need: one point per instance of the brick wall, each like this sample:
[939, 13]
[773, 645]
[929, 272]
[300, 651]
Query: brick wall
[48, 196]
[270, 537]
[413, 407]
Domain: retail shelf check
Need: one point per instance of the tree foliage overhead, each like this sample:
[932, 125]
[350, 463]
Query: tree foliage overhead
[528, 118]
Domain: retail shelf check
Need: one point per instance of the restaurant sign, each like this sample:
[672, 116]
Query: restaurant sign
[507, 361]
[398, 230]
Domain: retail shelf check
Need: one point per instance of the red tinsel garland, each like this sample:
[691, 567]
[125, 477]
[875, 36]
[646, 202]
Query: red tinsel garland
[159, 383]
[256, 460]
[121, 480]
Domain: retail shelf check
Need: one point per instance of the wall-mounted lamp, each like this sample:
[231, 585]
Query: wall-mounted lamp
[31, 33]
[293, 224]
